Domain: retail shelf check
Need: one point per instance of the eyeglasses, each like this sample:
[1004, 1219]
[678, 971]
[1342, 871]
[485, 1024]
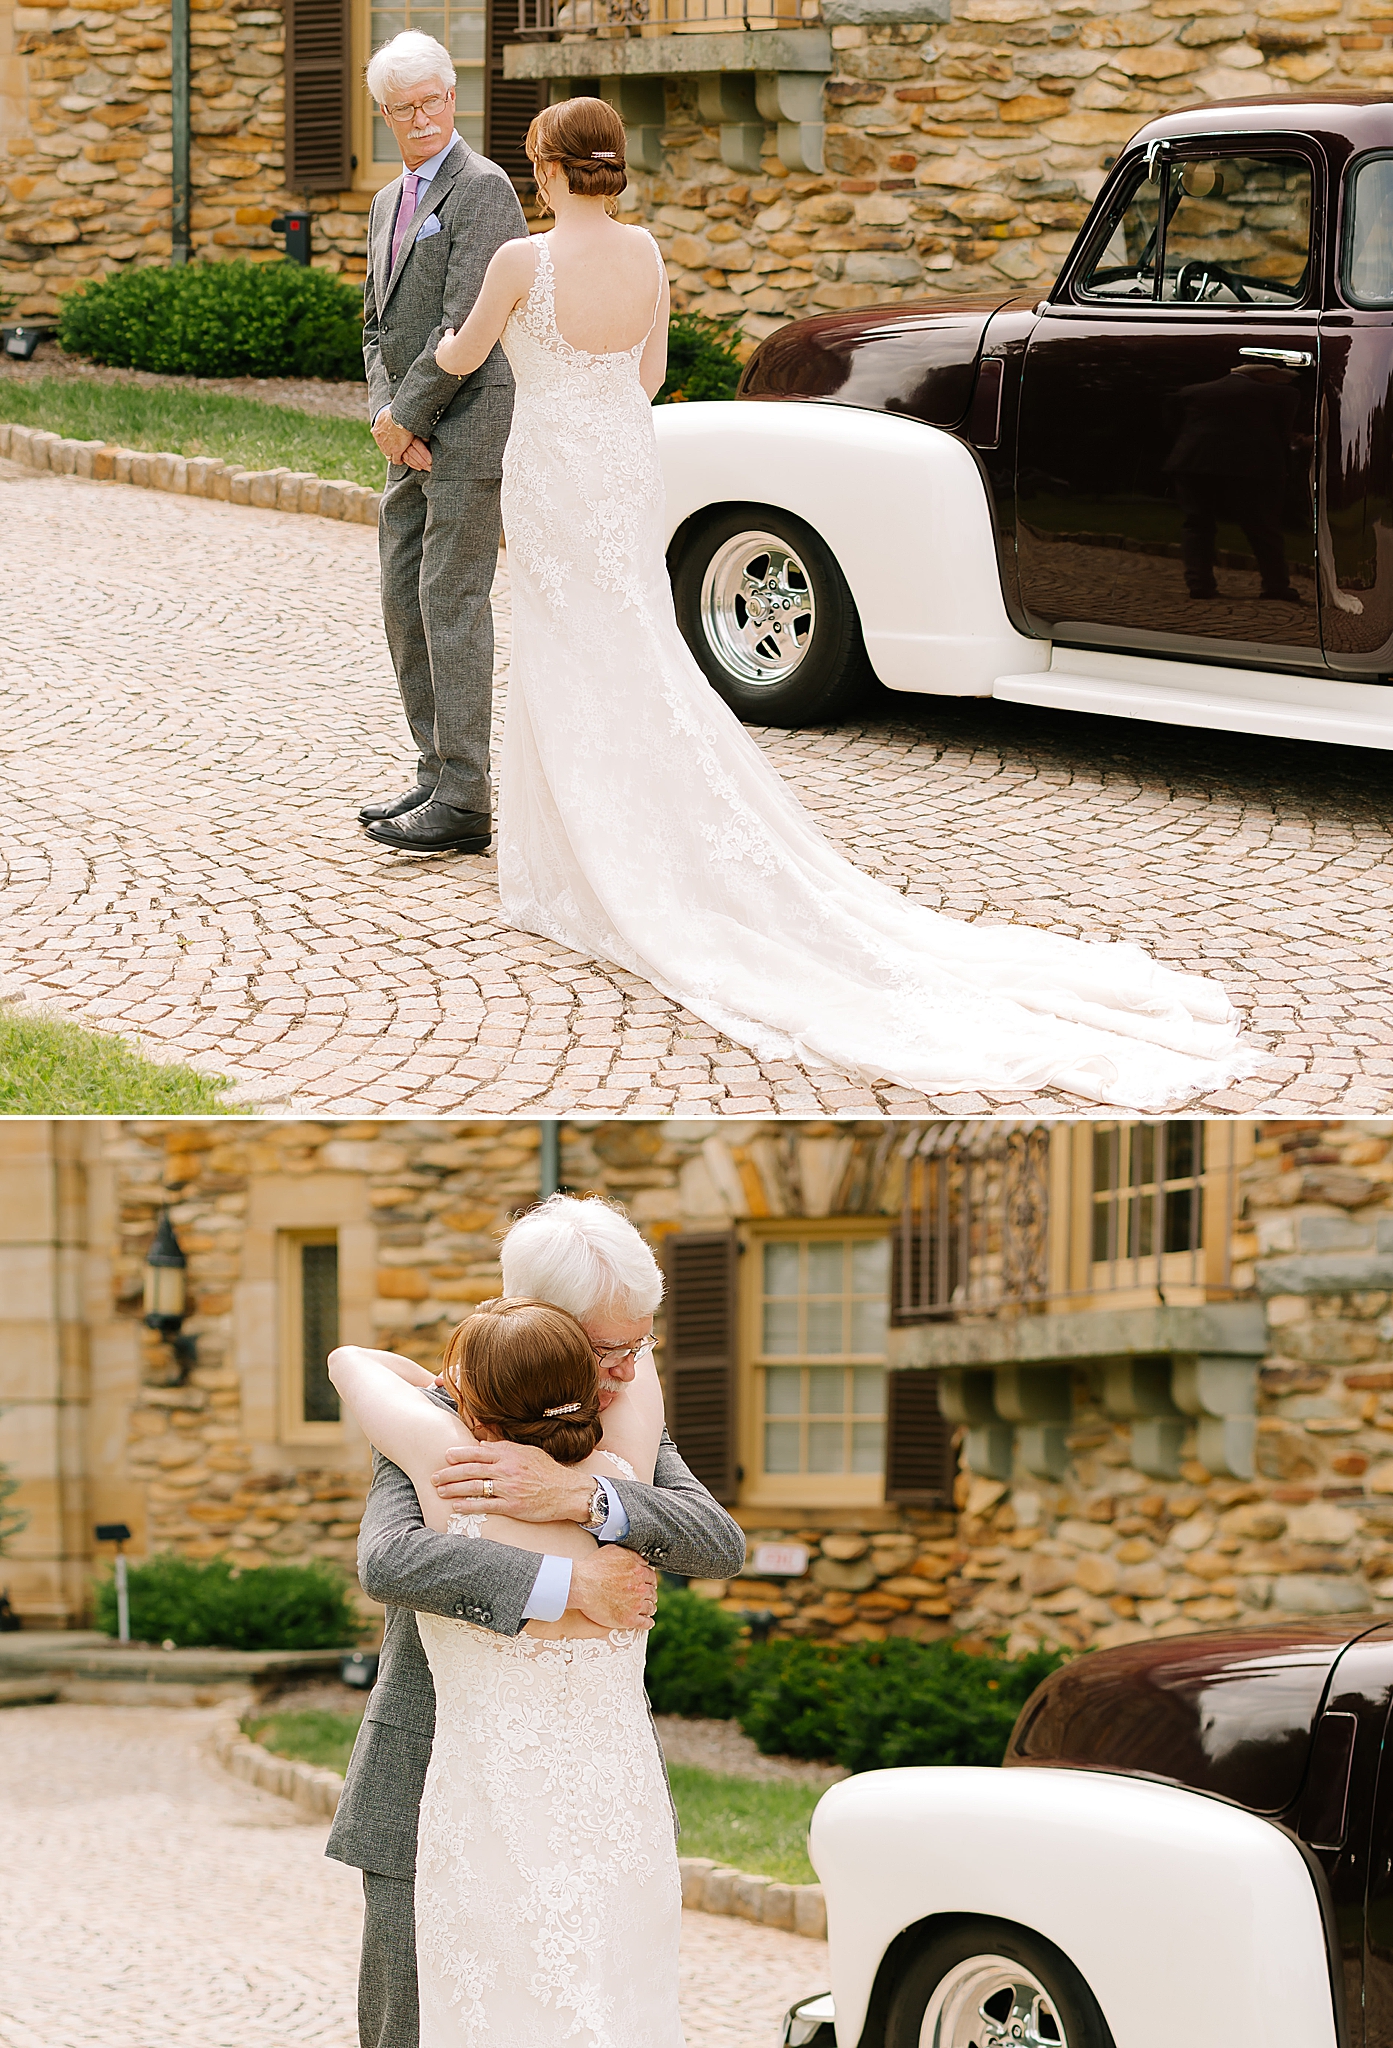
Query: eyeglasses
[430, 107]
[615, 1354]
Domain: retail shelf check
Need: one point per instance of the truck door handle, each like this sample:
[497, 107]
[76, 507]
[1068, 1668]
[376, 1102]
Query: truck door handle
[1294, 358]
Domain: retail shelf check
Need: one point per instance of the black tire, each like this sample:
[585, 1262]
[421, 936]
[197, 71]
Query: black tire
[830, 669]
[1067, 2010]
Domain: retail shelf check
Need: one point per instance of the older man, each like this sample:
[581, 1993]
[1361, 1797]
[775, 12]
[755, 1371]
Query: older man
[431, 235]
[586, 1257]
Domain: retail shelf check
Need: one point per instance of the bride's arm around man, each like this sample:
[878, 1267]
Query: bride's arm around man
[585, 1257]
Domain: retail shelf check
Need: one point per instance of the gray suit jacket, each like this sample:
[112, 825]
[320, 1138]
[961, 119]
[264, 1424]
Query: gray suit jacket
[433, 285]
[674, 1524]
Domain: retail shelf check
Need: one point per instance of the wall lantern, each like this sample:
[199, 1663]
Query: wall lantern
[166, 1296]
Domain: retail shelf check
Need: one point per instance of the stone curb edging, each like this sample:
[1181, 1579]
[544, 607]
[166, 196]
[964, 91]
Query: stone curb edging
[194, 476]
[313, 1789]
[707, 1886]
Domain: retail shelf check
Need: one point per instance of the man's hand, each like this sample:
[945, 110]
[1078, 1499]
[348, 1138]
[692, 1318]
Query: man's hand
[399, 444]
[614, 1589]
[527, 1484]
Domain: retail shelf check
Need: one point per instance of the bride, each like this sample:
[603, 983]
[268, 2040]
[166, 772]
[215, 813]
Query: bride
[548, 1904]
[639, 823]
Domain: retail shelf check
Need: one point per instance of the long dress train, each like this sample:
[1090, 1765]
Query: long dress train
[548, 1903]
[640, 824]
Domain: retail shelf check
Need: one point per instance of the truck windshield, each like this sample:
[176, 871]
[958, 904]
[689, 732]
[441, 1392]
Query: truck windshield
[1369, 245]
[1232, 231]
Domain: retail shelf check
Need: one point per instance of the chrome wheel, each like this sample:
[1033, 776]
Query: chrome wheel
[757, 608]
[988, 2002]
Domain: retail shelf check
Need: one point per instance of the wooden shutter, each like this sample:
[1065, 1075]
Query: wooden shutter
[920, 1462]
[510, 104]
[317, 117]
[699, 1354]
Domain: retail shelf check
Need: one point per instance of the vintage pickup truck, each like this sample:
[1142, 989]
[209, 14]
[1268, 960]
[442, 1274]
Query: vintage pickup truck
[1192, 1843]
[1165, 491]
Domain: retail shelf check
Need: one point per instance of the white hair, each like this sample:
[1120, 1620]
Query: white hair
[409, 59]
[584, 1256]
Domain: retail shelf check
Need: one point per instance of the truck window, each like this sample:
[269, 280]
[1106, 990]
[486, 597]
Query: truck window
[1369, 246]
[1123, 265]
[1238, 231]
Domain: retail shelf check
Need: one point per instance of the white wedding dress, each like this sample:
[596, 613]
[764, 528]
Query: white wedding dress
[640, 824]
[548, 1903]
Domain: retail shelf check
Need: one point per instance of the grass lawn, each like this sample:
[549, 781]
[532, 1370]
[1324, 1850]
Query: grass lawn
[244, 431]
[321, 1738]
[49, 1067]
[747, 1822]
[751, 1823]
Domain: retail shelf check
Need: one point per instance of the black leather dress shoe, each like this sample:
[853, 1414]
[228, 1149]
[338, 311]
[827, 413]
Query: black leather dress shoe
[435, 828]
[395, 806]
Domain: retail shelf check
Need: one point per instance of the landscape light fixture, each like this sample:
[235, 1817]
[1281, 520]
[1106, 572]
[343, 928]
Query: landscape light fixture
[359, 1668]
[118, 1533]
[166, 1296]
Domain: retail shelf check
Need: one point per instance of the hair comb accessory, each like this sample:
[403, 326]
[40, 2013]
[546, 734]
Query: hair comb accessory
[568, 1408]
[604, 155]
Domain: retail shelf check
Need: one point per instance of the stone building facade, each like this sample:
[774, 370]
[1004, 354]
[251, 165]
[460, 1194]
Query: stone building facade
[956, 155]
[1128, 1465]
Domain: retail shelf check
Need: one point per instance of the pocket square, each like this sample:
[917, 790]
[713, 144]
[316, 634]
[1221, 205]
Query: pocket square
[429, 226]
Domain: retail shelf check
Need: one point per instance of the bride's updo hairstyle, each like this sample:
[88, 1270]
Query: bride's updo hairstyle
[527, 1372]
[586, 138]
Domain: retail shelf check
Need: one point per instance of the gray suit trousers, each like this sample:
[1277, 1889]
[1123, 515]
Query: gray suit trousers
[438, 549]
[388, 2003]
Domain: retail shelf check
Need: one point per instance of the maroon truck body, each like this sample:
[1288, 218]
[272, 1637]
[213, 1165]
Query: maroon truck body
[1291, 1721]
[1077, 407]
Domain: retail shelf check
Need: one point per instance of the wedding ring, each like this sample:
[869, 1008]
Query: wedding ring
[487, 1487]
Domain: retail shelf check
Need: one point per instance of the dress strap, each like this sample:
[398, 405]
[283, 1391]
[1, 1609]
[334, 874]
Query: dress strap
[662, 280]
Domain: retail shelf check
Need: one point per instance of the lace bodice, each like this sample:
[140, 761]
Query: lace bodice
[547, 1895]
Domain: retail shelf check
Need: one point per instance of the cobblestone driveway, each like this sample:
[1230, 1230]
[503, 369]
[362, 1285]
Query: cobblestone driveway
[198, 697]
[151, 1901]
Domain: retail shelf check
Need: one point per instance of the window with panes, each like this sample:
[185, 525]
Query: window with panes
[462, 29]
[820, 1359]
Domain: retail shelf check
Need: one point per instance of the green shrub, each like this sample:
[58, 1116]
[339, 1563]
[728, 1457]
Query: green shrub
[691, 1657]
[871, 1706]
[12, 1520]
[266, 1607]
[701, 358]
[219, 320]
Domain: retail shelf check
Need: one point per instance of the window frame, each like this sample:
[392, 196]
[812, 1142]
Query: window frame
[784, 1490]
[1352, 169]
[1189, 1279]
[1195, 149]
[293, 1426]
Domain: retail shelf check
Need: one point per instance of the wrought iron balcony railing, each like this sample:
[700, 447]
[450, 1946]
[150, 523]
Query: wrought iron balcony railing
[1007, 1218]
[556, 20]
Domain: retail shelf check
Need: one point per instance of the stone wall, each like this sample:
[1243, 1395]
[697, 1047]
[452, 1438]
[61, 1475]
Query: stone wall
[85, 159]
[1111, 1556]
[965, 156]
[960, 156]
[201, 1468]
[1104, 1556]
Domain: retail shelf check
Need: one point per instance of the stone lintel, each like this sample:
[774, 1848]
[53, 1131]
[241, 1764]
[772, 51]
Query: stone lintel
[880, 13]
[1217, 1329]
[1326, 1273]
[674, 56]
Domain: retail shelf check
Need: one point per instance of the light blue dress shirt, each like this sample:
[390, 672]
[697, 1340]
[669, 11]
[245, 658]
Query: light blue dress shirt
[552, 1589]
[424, 173]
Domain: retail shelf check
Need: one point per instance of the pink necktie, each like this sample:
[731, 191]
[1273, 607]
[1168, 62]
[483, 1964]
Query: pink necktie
[405, 212]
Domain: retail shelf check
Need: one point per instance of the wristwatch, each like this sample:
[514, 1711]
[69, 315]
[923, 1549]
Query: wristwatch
[599, 1509]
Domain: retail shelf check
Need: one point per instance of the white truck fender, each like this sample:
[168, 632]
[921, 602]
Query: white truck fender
[902, 506]
[1190, 1920]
